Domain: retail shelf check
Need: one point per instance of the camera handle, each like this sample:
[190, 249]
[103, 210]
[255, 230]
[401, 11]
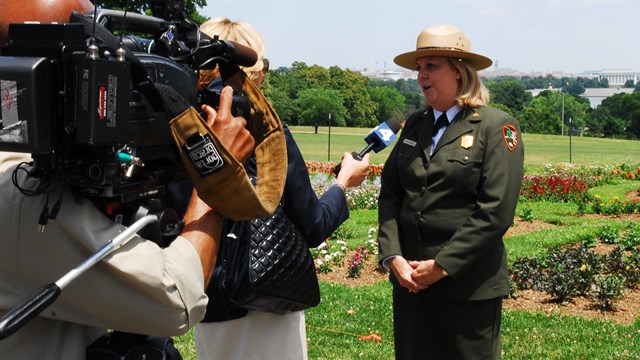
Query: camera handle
[33, 305]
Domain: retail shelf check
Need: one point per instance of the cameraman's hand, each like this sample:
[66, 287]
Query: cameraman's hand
[229, 129]
[353, 172]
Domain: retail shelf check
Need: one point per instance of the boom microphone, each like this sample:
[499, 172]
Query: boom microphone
[377, 139]
[236, 53]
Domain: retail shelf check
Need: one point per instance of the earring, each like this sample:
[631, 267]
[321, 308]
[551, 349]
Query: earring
[458, 77]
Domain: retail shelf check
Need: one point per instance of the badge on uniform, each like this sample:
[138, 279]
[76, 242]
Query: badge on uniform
[510, 135]
[466, 141]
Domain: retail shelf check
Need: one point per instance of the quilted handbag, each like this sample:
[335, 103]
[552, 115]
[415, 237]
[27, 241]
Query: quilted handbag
[266, 265]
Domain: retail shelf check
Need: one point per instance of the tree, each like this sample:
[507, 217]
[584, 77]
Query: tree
[602, 123]
[408, 88]
[541, 116]
[316, 104]
[633, 125]
[510, 93]
[537, 82]
[283, 86]
[504, 108]
[544, 114]
[603, 83]
[625, 108]
[412, 92]
[352, 87]
[391, 103]
[357, 101]
[576, 110]
[285, 107]
[309, 76]
[575, 88]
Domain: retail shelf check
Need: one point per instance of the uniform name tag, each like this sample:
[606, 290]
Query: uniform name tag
[409, 142]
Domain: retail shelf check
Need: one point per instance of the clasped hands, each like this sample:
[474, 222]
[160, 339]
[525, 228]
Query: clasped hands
[416, 275]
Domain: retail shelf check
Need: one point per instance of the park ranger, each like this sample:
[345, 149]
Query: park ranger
[449, 193]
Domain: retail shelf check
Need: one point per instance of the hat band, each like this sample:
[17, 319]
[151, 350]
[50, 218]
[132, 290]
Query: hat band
[440, 48]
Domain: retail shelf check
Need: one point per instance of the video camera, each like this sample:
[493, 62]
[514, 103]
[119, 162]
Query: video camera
[84, 102]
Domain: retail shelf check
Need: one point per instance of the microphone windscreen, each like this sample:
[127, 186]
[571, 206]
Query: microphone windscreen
[243, 55]
[394, 125]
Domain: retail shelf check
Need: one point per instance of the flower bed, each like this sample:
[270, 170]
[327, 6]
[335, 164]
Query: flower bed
[565, 275]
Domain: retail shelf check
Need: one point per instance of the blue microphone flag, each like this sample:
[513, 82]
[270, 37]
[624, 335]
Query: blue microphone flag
[381, 136]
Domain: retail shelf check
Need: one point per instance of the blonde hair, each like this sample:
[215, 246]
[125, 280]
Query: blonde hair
[240, 32]
[472, 92]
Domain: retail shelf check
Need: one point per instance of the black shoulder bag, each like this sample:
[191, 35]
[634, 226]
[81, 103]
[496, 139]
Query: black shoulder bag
[266, 265]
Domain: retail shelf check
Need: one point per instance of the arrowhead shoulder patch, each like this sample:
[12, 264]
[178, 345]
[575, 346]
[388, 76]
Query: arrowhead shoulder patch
[510, 136]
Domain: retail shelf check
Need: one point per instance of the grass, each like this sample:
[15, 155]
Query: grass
[572, 230]
[346, 313]
[539, 336]
[539, 149]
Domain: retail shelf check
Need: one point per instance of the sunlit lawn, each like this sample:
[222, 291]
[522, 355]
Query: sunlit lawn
[346, 313]
[539, 149]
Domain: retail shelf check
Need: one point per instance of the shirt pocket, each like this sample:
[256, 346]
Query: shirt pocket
[465, 166]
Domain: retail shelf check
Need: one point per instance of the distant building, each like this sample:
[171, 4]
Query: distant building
[618, 77]
[536, 92]
[596, 95]
[387, 74]
[488, 73]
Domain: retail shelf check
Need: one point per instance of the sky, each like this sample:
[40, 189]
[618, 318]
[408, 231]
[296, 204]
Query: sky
[571, 36]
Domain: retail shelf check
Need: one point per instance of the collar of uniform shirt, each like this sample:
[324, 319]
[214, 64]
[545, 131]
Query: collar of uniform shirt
[451, 113]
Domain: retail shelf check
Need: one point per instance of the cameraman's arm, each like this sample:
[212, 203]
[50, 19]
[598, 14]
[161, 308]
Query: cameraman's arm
[202, 225]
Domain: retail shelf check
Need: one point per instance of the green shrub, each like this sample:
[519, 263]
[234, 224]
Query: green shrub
[631, 239]
[613, 262]
[618, 263]
[526, 214]
[608, 234]
[570, 272]
[526, 273]
[588, 240]
[632, 270]
[606, 290]
[513, 290]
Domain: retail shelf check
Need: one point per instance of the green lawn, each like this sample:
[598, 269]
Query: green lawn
[346, 313]
[539, 149]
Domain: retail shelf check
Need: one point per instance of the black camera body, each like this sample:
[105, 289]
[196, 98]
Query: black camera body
[83, 101]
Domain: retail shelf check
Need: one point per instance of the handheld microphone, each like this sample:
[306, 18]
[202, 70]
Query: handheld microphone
[377, 139]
